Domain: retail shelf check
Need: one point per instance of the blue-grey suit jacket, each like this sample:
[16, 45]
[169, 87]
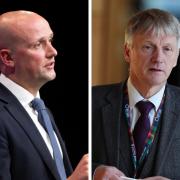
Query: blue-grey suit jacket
[23, 153]
[110, 139]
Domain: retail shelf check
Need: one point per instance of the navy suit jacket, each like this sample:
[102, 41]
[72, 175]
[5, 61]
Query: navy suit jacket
[23, 153]
[110, 139]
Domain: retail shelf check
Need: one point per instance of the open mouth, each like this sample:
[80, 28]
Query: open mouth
[50, 65]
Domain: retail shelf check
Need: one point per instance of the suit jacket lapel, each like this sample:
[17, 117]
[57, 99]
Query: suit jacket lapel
[110, 133]
[164, 136]
[23, 119]
[118, 147]
[168, 128]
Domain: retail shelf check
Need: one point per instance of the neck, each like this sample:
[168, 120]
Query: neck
[147, 90]
[32, 88]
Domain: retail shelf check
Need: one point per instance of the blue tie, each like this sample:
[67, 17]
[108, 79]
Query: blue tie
[43, 116]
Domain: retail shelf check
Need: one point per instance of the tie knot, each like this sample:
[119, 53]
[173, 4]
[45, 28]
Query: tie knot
[144, 106]
[38, 104]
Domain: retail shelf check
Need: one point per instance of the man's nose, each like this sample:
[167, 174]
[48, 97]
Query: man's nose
[158, 55]
[51, 51]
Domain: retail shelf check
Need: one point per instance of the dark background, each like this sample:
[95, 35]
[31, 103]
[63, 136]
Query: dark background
[67, 95]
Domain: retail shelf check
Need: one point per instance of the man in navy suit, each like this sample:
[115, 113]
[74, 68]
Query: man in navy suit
[27, 60]
[152, 41]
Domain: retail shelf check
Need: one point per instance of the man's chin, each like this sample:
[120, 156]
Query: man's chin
[52, 76]
[49, 78]
[157, 82]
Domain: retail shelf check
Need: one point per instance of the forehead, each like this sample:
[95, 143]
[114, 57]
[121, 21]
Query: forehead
[34, 29]
[154, 38]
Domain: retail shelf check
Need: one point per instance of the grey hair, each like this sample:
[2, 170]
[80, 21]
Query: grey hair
[155, 20]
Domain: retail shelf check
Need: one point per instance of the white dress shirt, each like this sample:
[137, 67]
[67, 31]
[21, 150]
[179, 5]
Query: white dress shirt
[25, 98]
[135, 96]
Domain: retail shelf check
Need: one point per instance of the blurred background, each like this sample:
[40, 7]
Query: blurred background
[109, 18]
[67, 95]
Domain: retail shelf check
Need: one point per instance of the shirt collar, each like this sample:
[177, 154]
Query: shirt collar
[24, 96]
[135, 96]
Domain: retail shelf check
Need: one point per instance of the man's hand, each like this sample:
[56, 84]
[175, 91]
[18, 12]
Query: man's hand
[81, 171]
[107, 172]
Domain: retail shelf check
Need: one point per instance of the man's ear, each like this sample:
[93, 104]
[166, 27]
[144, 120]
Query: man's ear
[6, 57]
[127, 52]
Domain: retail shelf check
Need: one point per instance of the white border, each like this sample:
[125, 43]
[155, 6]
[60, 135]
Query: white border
[90, 85]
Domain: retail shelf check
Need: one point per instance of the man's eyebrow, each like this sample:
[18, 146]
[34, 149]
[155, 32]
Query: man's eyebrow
[44, 38]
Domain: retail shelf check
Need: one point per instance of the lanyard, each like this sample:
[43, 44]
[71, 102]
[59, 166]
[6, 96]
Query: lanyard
[151, 134]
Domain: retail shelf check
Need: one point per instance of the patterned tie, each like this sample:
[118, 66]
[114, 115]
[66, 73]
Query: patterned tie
[142, 126]
[43, 116]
